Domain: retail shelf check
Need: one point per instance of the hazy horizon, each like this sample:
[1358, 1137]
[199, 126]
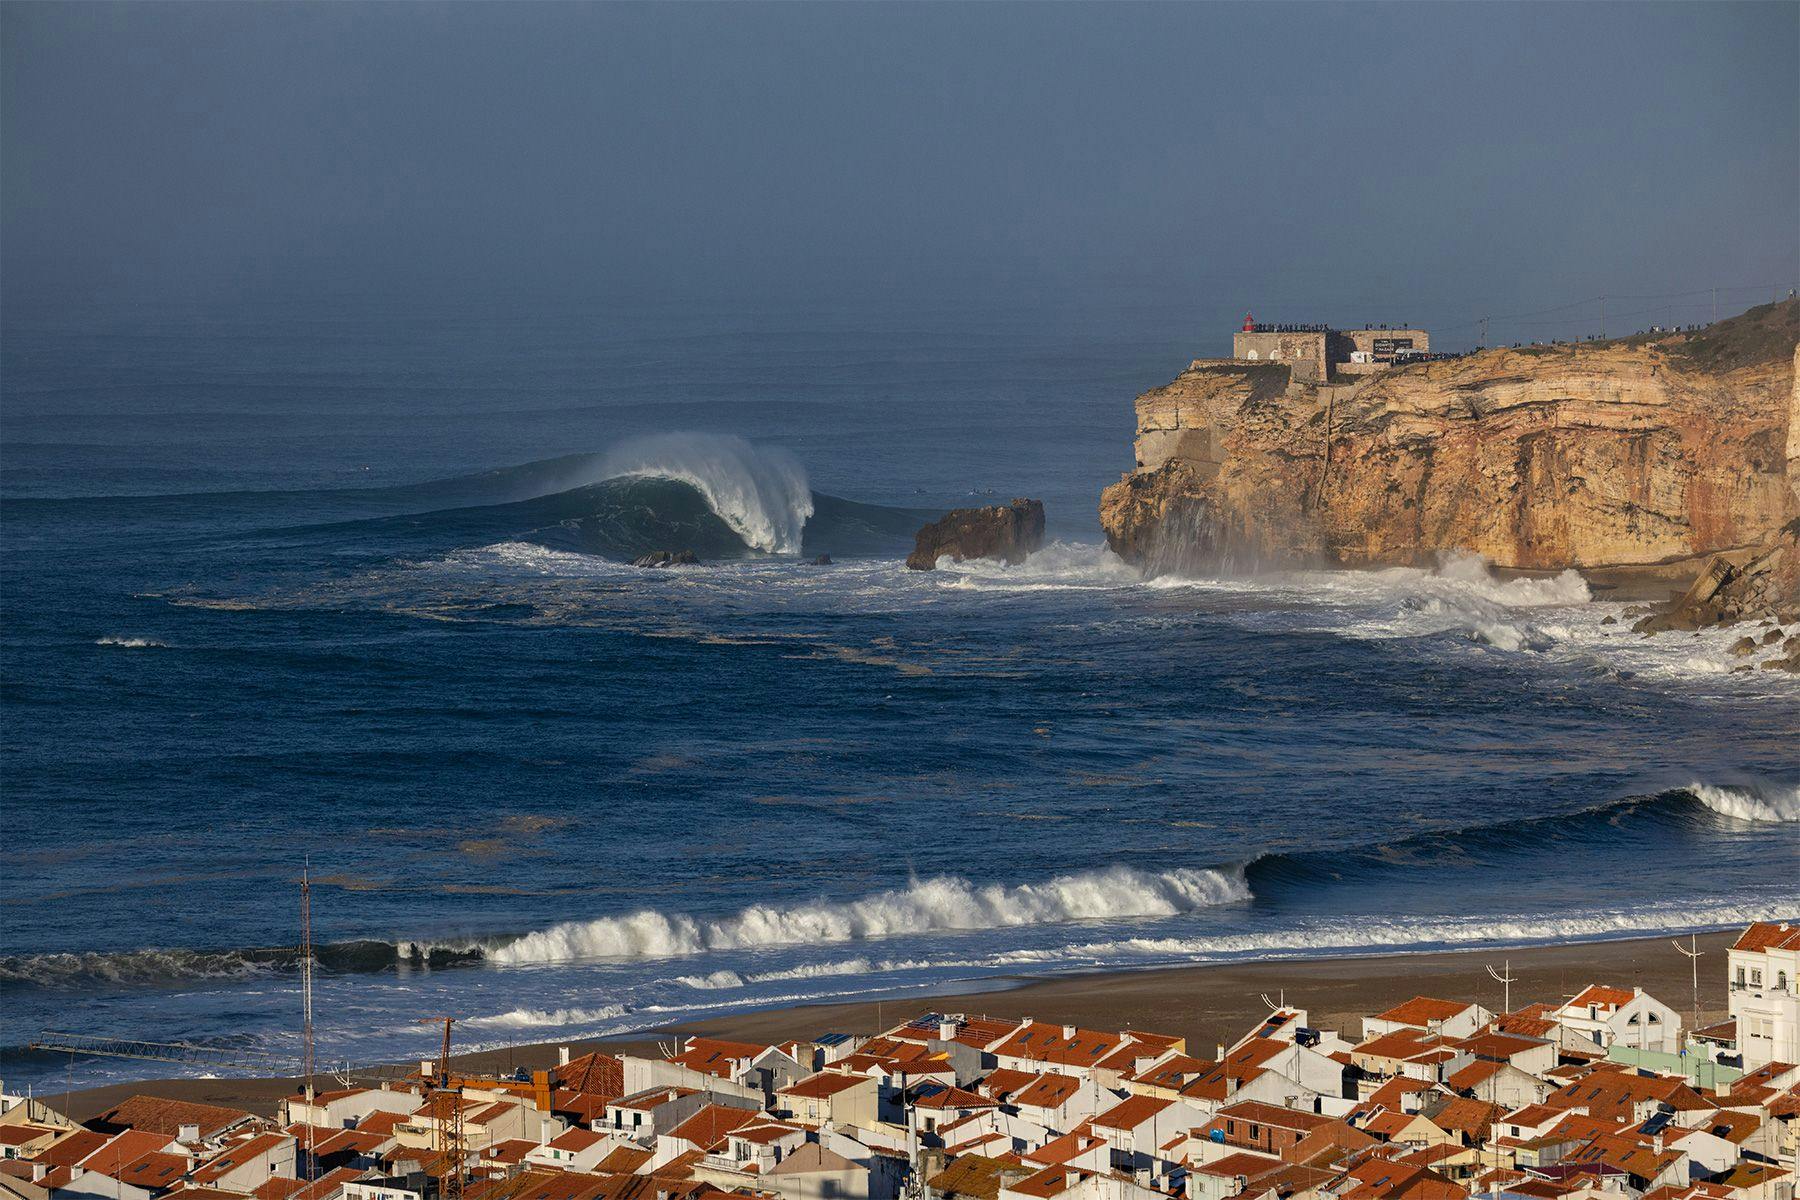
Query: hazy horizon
[1344, 163]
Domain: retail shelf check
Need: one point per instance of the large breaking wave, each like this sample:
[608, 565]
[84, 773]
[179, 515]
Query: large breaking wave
[716, 495]
[760, 492]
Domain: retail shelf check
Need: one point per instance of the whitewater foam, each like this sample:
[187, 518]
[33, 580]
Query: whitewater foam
[1059, 566]
[760, 491]
[943, 903]
[1338, 937]
[723, 980]
[131, 643]
[1762, 804]
[530, 1018]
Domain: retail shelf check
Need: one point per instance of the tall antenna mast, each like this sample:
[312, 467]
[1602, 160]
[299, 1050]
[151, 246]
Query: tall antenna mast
[306, 1004]
[1506, 978]
[1693, 953]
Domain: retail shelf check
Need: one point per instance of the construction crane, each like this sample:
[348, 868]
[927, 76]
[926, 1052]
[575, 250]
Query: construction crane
[442, 1078]
[447, 1135]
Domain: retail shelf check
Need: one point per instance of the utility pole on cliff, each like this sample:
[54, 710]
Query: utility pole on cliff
[1603, 318]
[1483, 343]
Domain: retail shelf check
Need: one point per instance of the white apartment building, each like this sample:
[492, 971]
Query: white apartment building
[1762, 975]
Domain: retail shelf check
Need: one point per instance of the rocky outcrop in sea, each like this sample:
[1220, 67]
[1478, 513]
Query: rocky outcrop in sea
[1006, 532]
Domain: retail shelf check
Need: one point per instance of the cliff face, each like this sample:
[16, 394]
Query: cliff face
[1638, 453]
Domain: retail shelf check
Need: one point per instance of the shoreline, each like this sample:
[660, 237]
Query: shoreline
[1208, 1003]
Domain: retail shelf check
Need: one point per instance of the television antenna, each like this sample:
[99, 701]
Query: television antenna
[1693, 953]
[1506, 979]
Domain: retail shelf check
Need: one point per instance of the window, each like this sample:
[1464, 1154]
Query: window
[1756, 978]
[1781, 980]
[1740, 976]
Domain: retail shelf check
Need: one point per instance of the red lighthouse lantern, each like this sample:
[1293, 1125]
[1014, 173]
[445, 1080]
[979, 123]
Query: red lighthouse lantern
[1249, 323]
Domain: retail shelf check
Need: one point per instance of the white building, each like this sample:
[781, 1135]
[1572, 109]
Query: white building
[1600, 1017]
[1762, 973]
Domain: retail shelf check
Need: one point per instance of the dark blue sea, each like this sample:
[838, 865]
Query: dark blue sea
[348, 589]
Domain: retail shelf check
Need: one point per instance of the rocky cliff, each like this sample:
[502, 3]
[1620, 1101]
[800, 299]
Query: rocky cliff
[1647, 453]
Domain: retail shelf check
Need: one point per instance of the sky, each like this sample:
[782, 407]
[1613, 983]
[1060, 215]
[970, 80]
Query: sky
[1427, 163]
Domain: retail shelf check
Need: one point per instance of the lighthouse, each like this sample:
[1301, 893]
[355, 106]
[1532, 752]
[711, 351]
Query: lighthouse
[1249, 323]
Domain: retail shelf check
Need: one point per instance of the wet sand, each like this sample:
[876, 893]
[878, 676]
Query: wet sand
[1207, 1004]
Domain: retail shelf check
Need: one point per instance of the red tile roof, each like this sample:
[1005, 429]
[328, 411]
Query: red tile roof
[1766, 935]
[1420, 1011]
[825, 1083]
[160, 1115]
[708, 1127]
[1131, 1112]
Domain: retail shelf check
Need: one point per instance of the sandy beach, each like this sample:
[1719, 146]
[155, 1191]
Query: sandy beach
[1207, 1004]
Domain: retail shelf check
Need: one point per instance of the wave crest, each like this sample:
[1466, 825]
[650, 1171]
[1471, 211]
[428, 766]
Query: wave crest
[1760, 804]
[943, 903]
[761, 492]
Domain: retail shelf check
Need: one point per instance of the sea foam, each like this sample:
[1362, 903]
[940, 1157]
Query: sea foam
[942, 903]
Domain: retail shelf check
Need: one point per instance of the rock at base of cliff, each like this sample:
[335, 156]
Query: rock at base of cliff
[1007, 532]
[1751, 584]
[666, 558]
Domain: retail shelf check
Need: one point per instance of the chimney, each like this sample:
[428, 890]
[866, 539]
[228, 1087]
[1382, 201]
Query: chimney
[1220, 1052]
[1069, 1031]
[562, 1056]
[427, 1068]
[946, 1029]
[188, 1135]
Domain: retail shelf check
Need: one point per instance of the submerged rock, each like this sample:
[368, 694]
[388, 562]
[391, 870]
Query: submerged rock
[666, 558]
[1007, 532]
[824, 560]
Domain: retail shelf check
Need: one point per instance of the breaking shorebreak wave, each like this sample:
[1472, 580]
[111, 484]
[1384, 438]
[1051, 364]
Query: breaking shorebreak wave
[943, 903]
[952, 904]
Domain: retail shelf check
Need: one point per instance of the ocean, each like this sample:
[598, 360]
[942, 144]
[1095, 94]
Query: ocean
[348, 590]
